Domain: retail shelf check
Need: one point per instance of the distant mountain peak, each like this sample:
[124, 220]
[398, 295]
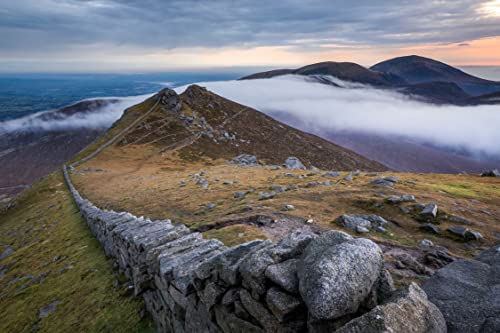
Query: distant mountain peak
[401, 72]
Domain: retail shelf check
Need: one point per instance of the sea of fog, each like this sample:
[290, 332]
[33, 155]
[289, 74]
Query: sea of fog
[321, 108]
[318, 108]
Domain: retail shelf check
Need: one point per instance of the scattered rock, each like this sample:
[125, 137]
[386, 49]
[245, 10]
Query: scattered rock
[210, 206]
[459, 219]
[3, 270]
[429, 227]
[429, 210]
[310, 221]
[405, 210]
[291, 187]
[266, 195]
[239, 195]
[326, 183]
[7, 252]
[277, 188]
[227, 182]
[405, 260]
[203, 183]
[371, 174]
[425, 243]
[403, 198]
[294, 163]
[361, 222]
[348, 177]
[356, 173]
[437, 257]
[48, 309]
[385, 182]
[288, 207]
[465, 233]
[245, 160]
[331, 174]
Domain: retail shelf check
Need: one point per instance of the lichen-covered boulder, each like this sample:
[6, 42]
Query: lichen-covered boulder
[337, 273]
[409, 311]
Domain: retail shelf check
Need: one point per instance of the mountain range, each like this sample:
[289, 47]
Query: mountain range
[26, 155]
[424, 78]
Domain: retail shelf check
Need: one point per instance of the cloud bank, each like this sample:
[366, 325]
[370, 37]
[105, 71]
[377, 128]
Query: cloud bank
[100, 118]
[321, 108]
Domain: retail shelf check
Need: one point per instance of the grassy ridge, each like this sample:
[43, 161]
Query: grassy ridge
[57, 259]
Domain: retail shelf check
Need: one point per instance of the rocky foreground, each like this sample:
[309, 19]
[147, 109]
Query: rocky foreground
[304, 282]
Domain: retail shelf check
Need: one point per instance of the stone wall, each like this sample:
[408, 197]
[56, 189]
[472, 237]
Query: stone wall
[303, 282]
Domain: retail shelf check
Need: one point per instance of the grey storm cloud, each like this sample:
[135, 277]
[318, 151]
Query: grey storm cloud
[47, 25]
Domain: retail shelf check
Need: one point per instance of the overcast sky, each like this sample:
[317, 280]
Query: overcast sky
[132, 35]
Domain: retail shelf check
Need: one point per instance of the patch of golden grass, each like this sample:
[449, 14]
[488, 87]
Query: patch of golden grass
[147, 184]
[235, 234]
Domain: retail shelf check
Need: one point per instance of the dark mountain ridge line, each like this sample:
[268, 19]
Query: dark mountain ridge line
[426, 79]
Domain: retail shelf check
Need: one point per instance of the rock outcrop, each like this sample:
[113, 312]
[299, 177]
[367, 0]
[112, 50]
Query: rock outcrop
[468, 293]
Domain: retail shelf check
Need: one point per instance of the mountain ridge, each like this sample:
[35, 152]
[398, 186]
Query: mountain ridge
[211, 126]
[411, 75]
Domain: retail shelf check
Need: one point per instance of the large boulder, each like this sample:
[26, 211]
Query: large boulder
[294, 163]
[337, 274]
[468, 293]
[408, 311]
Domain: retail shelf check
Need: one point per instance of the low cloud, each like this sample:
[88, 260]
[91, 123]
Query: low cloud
[100, 118]
[321, 108]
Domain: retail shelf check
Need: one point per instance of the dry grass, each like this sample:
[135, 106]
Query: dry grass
[52, 241]
[147, 184]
